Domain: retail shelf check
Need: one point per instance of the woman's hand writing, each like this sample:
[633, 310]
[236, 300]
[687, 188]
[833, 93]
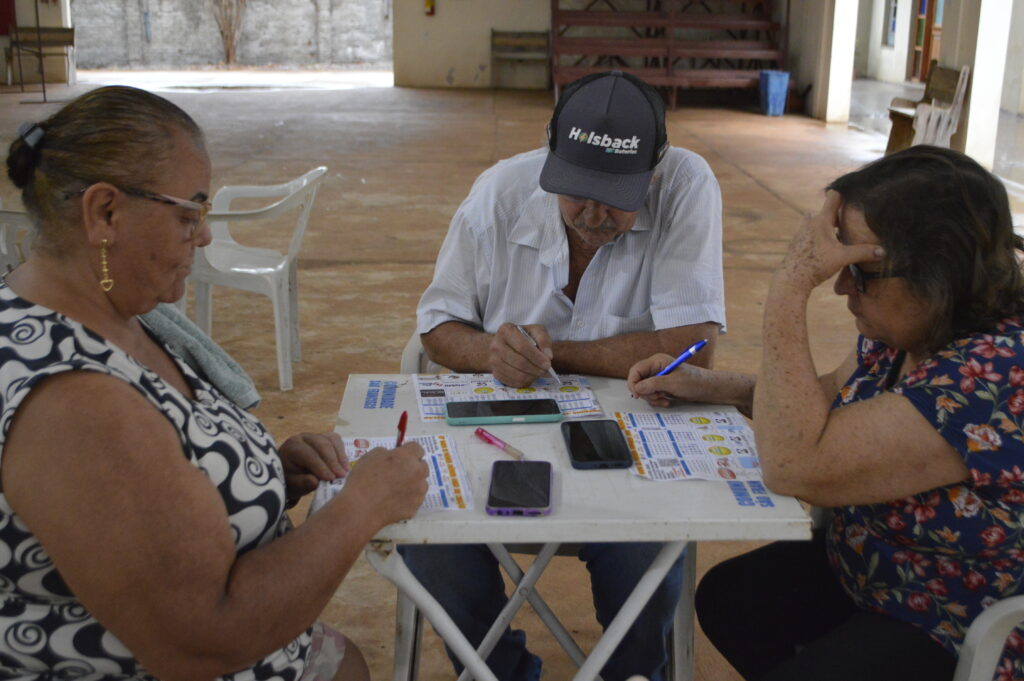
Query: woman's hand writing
[391, 482]
[689, 383]
[686, 383]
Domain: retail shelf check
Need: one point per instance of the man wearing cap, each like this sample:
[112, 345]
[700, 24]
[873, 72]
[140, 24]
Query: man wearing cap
[606, 247]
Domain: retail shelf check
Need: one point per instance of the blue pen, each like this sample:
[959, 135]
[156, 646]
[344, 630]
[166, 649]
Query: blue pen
[687, 354]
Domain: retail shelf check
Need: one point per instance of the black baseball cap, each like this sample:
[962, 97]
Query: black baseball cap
[605, 138]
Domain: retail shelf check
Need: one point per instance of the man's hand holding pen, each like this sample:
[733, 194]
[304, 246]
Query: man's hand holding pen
[520, 357]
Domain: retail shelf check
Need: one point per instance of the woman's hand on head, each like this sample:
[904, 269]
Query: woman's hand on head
[392, 481]
[308, 458]
[815, 253]
[686, 382]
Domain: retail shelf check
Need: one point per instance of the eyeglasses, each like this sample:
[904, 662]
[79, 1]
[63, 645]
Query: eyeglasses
[860, 277]
[202, 208]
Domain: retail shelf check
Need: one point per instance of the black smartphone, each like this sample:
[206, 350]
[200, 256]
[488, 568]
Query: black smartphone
[503, 411]
[520, 488]
[596, 444]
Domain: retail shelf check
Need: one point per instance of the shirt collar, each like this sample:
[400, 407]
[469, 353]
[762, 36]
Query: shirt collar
[540, 226]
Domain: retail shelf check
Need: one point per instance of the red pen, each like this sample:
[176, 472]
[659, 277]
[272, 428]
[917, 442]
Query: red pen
[402, 421]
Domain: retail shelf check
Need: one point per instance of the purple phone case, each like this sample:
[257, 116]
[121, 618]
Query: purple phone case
[518, 511]
[503, 496]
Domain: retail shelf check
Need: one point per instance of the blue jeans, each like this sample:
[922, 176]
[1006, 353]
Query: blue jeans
[475, 598]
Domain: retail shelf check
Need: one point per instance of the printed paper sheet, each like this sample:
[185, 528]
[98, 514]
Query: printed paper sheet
[448, 488]
[575, 397]
[705, 445]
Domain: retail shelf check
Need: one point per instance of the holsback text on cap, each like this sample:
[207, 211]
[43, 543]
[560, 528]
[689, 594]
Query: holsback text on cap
[618, 145]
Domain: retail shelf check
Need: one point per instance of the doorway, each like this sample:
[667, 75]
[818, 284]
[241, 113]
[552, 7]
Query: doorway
[925, 38]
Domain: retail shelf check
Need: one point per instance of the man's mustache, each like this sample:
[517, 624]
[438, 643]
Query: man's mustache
[606, 226]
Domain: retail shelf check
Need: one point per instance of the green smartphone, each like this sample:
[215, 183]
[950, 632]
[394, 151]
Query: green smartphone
[503, 411]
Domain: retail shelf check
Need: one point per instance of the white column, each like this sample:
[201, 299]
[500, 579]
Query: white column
[991, 39]
[839, 78]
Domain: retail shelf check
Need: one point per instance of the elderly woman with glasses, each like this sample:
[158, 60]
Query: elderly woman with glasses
[142, 524]
[916, 442]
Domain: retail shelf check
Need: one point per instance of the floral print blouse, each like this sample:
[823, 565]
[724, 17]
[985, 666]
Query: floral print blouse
[938, 558]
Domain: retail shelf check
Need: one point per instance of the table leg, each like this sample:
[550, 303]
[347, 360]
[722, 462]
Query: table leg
[388, 562]
[682, 626]
[629, 611]
[524, 589]
[560, 633]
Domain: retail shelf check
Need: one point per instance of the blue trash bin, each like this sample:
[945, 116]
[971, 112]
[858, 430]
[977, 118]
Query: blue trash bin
[774, 88]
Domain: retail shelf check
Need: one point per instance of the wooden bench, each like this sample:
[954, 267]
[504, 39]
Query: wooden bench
[680, 44]
[940, 88]
[519, 46]
[39, 43]
[734, 22]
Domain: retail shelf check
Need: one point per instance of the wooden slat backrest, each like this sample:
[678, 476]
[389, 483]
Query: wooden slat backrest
[941, 84]
[519, 41]
[48, 36]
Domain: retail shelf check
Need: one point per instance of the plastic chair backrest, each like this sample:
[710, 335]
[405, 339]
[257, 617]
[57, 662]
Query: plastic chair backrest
[298, 192]
[958, 99]
[936, 124]
[16, 232]
[986, 637]
[415, 360]
[929, 122]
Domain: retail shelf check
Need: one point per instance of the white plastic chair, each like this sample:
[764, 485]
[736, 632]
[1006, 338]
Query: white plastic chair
[16, 232]
[935, 124]
[415, 360]
[986, 637]
[225, 262]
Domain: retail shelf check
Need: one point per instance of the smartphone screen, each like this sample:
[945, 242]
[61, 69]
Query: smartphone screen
[503, 411]
[520, 488]
[596, 444]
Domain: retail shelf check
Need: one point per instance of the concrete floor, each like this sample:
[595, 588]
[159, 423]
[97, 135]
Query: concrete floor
[400, 162]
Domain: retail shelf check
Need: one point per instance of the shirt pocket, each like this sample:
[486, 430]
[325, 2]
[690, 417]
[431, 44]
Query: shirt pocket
[616, 325]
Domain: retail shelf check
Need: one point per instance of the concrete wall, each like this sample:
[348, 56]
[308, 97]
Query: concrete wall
[57, 14]
[452, 48]
[889, 63]
[173, 33]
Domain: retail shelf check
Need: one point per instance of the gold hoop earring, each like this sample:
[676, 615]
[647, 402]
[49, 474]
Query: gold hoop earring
[106, 283]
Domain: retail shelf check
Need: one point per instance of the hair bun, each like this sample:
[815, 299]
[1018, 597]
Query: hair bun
[20, 162]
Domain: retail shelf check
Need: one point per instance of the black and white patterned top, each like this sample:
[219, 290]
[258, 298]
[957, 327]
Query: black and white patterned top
[45, 632]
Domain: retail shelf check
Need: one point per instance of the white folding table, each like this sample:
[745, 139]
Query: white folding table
[587, 506]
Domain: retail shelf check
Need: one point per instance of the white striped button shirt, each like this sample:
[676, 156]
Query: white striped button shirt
[506, 257]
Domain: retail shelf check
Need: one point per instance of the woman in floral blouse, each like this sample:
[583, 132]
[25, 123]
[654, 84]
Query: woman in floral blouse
[915, 441]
